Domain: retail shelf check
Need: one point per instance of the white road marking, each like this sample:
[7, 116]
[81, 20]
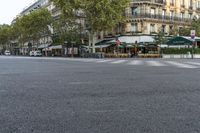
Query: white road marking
[88, 60]
[118, 61]
[155, 63]
[180, 65]
[101, 61]
[194, 63]
[135, 62]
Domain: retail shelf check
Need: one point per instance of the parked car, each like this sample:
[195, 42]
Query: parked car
[7, 52]
[37, 53]
[31, 53]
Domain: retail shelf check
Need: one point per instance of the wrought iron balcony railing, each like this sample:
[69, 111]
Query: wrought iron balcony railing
[152, 1]
[158, 17]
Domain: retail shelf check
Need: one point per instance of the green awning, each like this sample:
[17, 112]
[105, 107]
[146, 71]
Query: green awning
[179, 41]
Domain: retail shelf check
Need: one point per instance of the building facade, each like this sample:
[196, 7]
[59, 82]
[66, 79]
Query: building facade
[151, 16]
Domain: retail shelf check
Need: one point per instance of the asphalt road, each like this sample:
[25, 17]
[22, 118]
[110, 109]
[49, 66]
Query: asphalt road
[83, 96]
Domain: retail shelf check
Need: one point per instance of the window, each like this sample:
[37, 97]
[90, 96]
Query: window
[153, 12]
[152, 28]
[163, 14]
[190, 3]
[182, 3]
[171, 14]
[198, 4]
[182, 15]
[163, 28]
[172, 2]
[134, 10]
[190, 15]
[134, 27]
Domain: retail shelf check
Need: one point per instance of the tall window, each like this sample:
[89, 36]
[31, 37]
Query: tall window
[134, 10]
[171, 14]
[172, 2]
[190, 3]
[152, 28]
[163, 14]
[182, 15]
[198, 4]
[163, 28]
[134, 27]
[153, 12]
[182, 2]
[190, 15]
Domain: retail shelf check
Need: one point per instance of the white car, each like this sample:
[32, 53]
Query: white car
[31, 53]
[7, 52]
[37, 53]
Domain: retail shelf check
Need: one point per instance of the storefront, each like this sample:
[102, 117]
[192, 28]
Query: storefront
[180, 42]
[132, 45]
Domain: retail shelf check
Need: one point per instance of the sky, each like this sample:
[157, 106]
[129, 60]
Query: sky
[10, 8]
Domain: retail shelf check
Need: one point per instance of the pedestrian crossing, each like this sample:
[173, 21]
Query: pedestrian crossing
[148, 63]
[189, 64]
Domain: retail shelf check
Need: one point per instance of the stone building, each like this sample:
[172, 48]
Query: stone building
[151, 16]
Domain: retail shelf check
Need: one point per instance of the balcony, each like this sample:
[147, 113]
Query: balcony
[158, 17]
[151, 1]
[183, 6]
[198, 8]
[190, 7]
[172, 4]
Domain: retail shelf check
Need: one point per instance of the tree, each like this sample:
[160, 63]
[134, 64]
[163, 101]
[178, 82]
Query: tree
[4, 36]
[33, 26]
[185, 31]
[100, 15]
[160, 39]
[175, 30]
[196, 26]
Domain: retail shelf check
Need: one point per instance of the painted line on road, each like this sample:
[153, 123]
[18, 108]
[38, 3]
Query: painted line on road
[155, 63]
[88, 60]
[180, 65]
[118, 61]
[136, 62]
[102, 61]
[194, 63]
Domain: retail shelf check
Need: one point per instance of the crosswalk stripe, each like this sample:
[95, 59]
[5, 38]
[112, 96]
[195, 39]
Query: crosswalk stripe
[155, 63]
[194, 63]
[88, 60]
[102, 61]
[118, 61]
[135, 62]
[180, 65]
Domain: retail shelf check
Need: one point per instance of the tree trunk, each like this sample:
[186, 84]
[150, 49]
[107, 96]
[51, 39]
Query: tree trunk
[93, 42]
[90, 42]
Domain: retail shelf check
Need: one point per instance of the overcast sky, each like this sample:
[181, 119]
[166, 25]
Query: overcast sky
[10, 8]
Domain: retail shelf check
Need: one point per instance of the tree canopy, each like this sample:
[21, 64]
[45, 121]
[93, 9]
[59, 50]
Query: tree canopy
[33, 25]
[100, 15]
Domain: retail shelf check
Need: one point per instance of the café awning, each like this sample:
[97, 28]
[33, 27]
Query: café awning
[179, 40]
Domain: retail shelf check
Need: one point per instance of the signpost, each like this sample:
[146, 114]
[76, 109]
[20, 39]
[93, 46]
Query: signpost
[193, 34]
